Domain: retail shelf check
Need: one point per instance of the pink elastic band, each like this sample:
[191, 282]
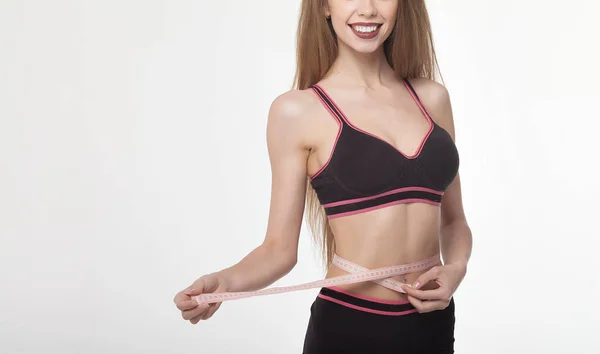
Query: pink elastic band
[358, 274]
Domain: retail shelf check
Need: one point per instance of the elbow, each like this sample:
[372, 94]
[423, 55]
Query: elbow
[287, 264]
[288, 260]
[285, 256]
[292, 260]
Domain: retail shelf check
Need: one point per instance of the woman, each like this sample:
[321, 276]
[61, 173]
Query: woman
[373, 135]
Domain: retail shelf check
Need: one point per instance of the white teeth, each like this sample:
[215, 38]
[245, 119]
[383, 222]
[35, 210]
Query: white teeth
[365, 29]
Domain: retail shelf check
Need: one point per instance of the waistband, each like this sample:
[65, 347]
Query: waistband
[366, 303]
[357, 274]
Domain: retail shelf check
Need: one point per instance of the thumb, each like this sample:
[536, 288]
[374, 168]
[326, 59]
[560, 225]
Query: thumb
[197, 288]
[194, 290]
[205, 284]
[426, 277]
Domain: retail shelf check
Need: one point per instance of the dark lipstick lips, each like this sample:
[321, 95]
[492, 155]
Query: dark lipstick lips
[367, 35]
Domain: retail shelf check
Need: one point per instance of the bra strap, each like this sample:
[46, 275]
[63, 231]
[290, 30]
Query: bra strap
[413, 93]
[328, 103]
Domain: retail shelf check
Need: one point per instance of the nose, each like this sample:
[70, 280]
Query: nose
[367, 8]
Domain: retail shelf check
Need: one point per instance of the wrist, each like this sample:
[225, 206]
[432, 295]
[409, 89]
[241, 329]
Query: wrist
[224, 279]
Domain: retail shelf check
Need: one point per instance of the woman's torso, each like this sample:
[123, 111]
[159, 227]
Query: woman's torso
[380, 164]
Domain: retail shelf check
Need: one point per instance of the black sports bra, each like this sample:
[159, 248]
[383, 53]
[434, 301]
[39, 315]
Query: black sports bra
[364, 172]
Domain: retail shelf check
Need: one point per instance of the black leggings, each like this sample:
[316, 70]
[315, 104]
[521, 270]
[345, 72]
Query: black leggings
[345, 322]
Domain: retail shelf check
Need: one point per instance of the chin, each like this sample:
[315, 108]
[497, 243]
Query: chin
[366, 49]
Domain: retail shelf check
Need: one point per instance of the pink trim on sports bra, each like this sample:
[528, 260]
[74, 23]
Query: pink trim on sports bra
[399, 190]
[345, 118]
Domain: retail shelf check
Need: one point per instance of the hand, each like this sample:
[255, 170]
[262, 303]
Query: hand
[190, 309]
[448, 277]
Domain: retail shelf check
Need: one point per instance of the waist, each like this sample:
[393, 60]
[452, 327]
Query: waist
[388, 288]
[355, 273]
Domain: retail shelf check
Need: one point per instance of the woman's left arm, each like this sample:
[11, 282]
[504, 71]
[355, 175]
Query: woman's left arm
[455, 234]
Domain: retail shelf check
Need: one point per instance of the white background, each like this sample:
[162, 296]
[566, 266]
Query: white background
[133, 160]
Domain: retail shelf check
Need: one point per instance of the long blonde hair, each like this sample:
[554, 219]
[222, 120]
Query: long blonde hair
[409, 51]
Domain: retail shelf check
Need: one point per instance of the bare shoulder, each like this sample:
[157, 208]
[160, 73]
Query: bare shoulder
[436, 99]
[291, 116]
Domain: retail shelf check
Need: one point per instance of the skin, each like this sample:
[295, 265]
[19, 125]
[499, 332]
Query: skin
[300, 138]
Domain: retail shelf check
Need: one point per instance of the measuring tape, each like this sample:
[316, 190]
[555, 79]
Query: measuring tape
[357, 274]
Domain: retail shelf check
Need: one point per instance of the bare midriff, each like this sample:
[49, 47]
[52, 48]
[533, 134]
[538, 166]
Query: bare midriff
[394, 235]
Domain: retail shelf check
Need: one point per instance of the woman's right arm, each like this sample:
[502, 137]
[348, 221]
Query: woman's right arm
[276, 256]
[288, 154]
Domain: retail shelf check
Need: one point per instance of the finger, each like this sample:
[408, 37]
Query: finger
[186, 305]
[197, 288]
[211, 310]
[196, 319]
[428, 306]
[183, 301]
[431, 274]
[417, 303]
[198, 311]
[433, 294]
[434, 305]
[202, 315]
